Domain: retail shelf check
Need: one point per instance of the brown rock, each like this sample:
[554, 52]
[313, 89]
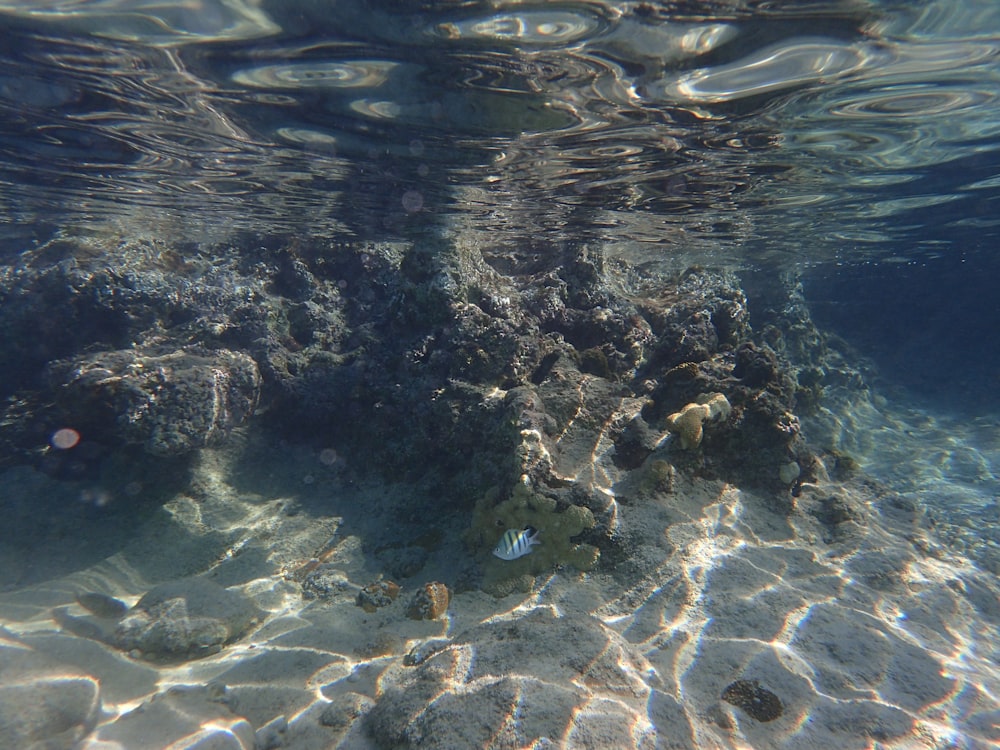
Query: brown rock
[377, 594]
[430, 602]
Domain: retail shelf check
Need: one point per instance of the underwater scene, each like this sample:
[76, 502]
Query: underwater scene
[513, 374]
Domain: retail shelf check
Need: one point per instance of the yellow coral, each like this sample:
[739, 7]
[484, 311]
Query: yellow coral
[688, 423]
[555, 528]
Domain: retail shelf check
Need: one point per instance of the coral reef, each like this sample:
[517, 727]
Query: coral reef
[689, 422]
[429, 602]
[440, 362]
[349, 341]
[497, 392]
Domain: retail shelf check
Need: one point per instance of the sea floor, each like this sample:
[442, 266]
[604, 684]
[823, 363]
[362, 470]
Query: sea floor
[723, 623]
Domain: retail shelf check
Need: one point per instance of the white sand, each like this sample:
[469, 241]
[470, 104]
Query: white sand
[870, 634]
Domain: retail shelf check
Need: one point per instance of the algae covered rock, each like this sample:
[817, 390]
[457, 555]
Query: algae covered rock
[377, 594]
[169, 402]
[689, 422]
[430, 602]
[556, 527]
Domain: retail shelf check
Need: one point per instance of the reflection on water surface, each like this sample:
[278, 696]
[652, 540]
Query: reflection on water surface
[721, 130]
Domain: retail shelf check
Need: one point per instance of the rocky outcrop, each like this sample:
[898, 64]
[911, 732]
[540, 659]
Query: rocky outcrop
[169, 403]
[187, 618]
[464, 368]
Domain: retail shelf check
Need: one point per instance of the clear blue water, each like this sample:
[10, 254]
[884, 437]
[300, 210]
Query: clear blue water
[855, 145]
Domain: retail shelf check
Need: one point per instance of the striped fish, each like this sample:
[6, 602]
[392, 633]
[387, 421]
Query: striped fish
[514, 544]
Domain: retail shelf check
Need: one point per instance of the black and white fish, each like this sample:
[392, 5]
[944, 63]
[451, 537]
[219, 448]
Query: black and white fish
[514, 544]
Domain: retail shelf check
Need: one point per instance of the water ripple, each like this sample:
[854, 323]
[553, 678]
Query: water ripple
[711, 125]
[536, 27]
[783, 66]
[162, 23]
[318, 74]
[918, 100]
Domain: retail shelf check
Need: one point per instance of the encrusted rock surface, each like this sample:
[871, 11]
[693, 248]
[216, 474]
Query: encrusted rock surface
[170, 402]
[477, 373]
[467, 369]
[377, 594]
[429, 602]
[358, 339]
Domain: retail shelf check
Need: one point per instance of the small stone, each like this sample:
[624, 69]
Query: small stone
[424, 651]
[430, 602]
[789, 472]
[102, 605]
[760, 703]
[324, 583]
[377, 594]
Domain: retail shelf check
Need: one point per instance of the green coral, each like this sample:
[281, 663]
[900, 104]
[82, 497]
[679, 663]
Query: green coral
[555, 527]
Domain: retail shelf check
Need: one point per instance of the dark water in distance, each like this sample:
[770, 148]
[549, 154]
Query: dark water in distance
[859, 139]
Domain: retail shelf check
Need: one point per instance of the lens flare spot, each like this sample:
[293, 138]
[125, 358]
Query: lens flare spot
[65, 438]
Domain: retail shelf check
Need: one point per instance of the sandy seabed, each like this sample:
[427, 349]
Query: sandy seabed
[722, 623]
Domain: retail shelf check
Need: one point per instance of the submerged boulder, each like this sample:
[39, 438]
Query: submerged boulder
[168, 402]
[44, 703]
[185, 619]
